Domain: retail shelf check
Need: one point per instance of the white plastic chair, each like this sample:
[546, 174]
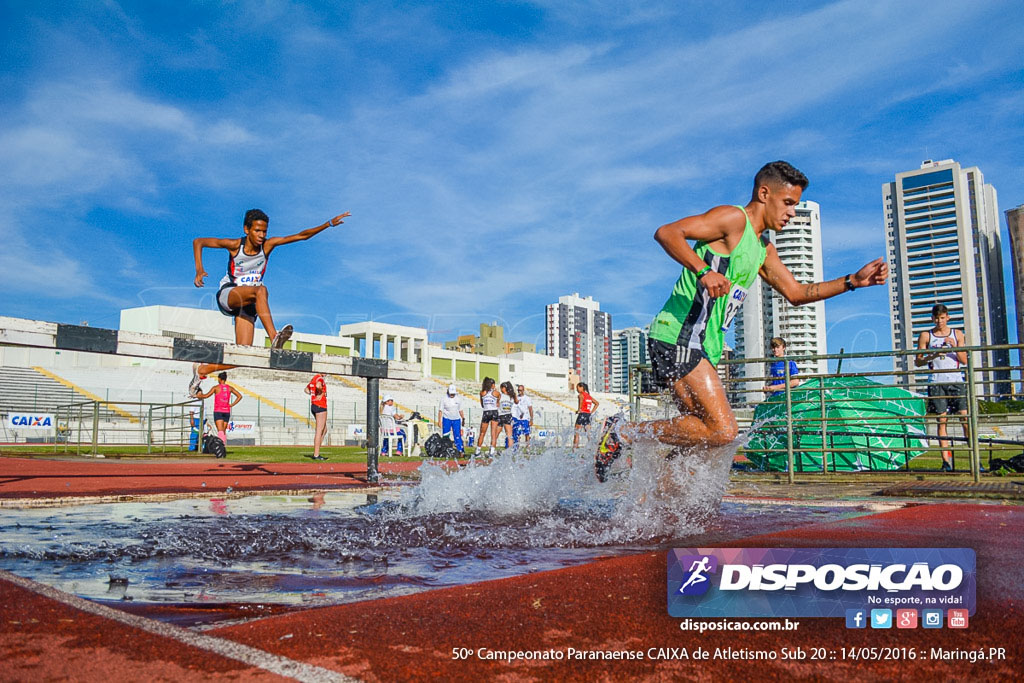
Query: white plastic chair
[391, 436]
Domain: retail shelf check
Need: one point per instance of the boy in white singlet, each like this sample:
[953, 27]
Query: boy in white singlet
[947, 391]
[242, 294]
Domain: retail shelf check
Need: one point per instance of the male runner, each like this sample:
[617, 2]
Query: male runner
[242, 294]
[687, 336]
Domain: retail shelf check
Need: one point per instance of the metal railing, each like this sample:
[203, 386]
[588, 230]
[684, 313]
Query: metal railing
[807, 420]
[161, 427]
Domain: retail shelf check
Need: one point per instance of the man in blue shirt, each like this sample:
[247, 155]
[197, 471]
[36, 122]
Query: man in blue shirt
[777, 370]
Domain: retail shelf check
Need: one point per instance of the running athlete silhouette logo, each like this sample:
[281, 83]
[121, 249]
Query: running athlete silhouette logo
[697, 583]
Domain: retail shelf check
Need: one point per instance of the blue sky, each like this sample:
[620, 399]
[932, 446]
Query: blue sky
[494, 155]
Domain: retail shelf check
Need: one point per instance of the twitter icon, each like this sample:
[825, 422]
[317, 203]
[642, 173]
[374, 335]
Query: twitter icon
[881, 618]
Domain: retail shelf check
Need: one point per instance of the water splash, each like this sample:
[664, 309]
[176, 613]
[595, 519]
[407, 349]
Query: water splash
[654, 499]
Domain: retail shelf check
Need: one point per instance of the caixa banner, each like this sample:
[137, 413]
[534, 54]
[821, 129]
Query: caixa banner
[30, 421]
[816, 582]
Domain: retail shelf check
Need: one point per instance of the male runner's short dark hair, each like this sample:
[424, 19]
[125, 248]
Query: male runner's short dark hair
[779, 173]
[255, 215]
[939, 309]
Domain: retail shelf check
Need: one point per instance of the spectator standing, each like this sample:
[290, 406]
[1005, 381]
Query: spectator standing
[777, 370]
[193, 436]
[489, 403]
[317, 390]
[506, 402]
[451, 416]
[522, 417]
[222, 404]
[947, 391]
[586, 407]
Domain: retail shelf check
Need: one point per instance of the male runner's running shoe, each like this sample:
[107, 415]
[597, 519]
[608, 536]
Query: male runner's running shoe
[609, 447]
[283, 335]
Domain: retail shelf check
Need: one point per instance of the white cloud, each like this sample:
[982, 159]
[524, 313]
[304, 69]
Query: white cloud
[31, 264]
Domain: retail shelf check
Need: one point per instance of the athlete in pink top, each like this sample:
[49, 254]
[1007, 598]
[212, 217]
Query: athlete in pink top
[222, 404]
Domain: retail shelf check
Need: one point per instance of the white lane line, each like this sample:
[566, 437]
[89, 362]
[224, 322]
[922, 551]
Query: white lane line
[261, 659]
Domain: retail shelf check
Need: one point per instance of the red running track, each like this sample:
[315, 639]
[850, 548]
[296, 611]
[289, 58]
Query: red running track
[613, 604]
[53, 478]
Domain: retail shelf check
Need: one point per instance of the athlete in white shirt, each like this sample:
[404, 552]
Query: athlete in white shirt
[522, 417]
[451, 417]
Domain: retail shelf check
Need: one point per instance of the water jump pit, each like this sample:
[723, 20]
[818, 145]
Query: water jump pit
[205, 560]
[512, 518]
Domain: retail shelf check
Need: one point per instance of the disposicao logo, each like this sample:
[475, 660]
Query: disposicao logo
[817, 582]
[696, 581]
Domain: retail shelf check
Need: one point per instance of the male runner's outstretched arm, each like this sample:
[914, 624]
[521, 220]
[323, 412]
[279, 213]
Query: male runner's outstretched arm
[305, 234]
[776, 274]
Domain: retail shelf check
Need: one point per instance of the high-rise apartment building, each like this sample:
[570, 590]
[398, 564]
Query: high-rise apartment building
[629, 347]
[1015, 226]
[767, 314]
[577, 329]
[944, 246]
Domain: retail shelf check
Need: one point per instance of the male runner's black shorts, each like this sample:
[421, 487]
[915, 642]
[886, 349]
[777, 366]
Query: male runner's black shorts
[505, 419]
[315, 409]
[489, 416]
[247, 312]
[221, 417]
[946, 397]
[582, 419]
[670, 362]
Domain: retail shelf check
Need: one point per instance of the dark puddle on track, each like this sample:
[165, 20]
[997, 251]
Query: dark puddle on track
[324, 549]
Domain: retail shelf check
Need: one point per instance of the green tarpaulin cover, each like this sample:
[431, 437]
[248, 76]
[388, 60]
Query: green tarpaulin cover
[884, 417]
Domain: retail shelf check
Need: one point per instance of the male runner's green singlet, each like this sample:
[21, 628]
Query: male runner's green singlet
[692, 319]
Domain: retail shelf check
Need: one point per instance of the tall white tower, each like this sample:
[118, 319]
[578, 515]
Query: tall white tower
[944, 246]
[629, 347]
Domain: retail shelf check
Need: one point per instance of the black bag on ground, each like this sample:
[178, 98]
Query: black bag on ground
[437, 446]
[214, 446]
[1014, 464]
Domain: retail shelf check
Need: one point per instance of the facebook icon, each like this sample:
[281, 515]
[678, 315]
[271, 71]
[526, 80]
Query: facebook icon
[856, 618]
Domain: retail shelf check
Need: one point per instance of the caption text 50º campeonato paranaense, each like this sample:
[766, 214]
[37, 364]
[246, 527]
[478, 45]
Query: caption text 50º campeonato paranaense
[730, 653]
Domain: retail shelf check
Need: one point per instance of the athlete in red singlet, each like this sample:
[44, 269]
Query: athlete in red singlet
[585, 410]
[317, 390]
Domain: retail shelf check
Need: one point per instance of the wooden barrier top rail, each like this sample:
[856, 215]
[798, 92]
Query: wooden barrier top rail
[46, 335]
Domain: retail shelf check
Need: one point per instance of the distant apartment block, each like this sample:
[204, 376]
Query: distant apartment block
[1015, 226]
[577, 330]
[629, 347]
[944, 246]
